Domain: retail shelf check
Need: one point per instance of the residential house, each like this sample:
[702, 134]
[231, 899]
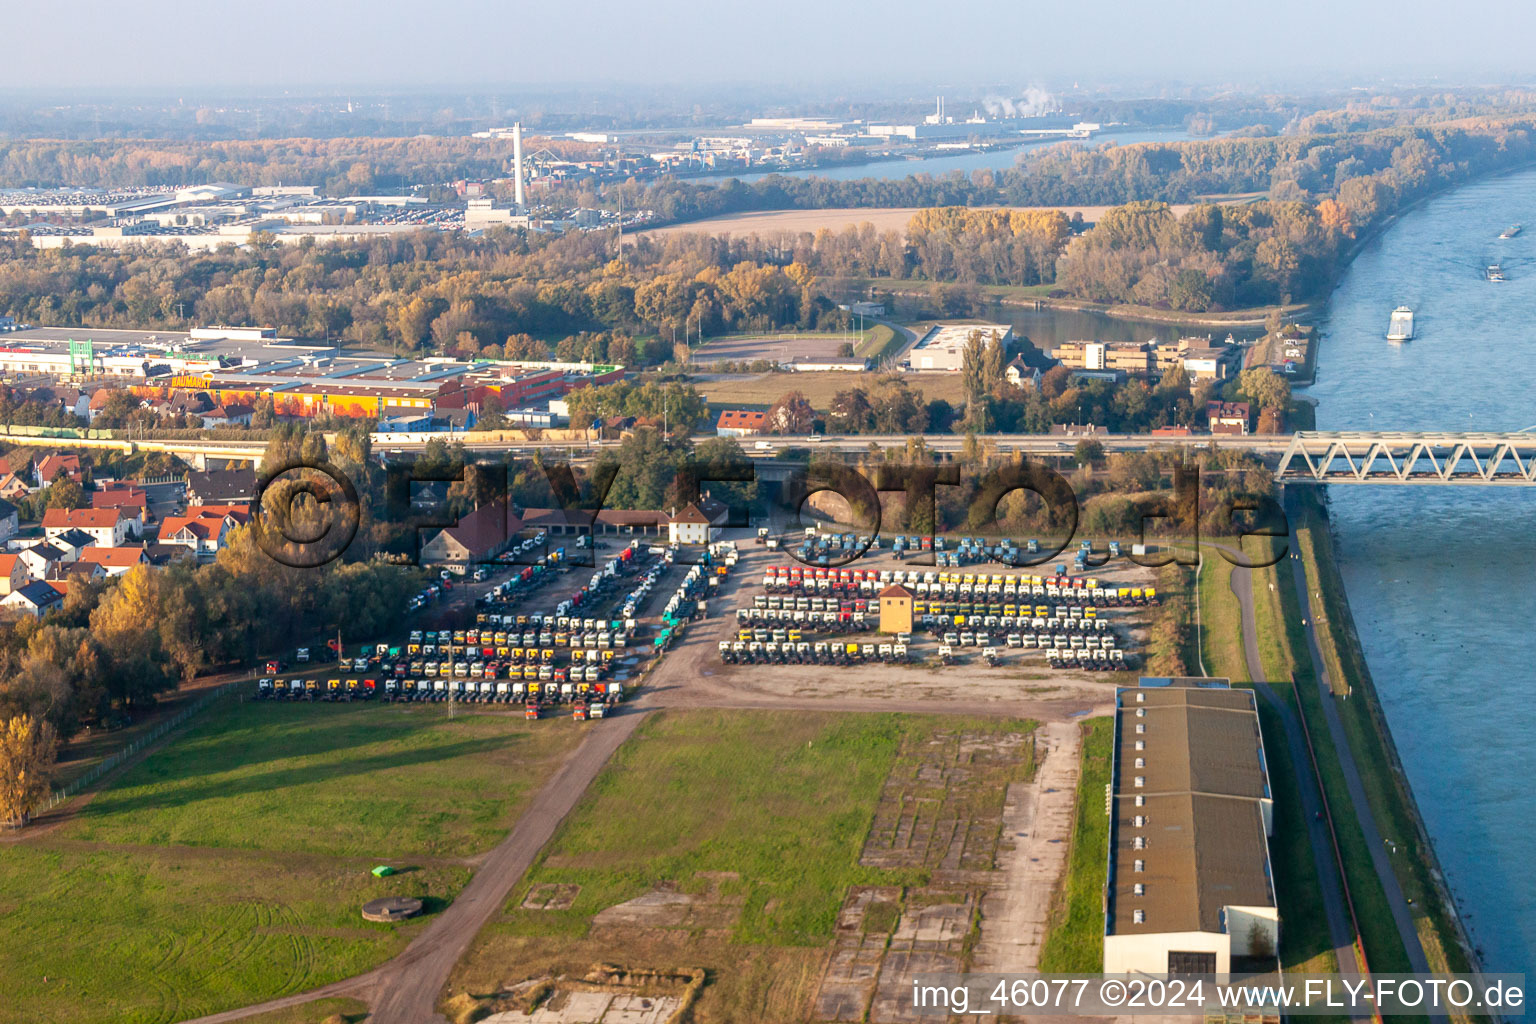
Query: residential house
[99, 402]
[698, 523]
[740, 422]
[13, 574]
[133, 500]
[39, 557]
[51, 467]
[72, 542]
[59, 571]
[1228, 417]
[204, 528]
[164, 554]
[109, 527]
[1021, 375]
[228, 415]
[114, 561]
[13, 486]
[221, 487]
[18, 462]
[10, 521]
[34, 599]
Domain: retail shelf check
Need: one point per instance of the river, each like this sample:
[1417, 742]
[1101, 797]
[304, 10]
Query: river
[991, 159]
[1436, 576]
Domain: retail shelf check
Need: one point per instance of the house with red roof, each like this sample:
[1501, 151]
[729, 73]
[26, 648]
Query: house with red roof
[698, 523]
[740, 422]
[114, 561]
[204, 529]
[51, 467]
[13, 574]
[133, 499]
[109, 527]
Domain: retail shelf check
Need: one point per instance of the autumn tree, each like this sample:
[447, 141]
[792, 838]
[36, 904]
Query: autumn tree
[791, 414]
[28, 748]
[1264, 388]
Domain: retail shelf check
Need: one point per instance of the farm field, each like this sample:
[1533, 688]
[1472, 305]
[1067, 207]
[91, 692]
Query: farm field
[819, 388]
[782, 346]
[229, 866]
[741, 843]
[795, 221]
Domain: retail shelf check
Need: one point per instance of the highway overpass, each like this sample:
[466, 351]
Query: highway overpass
[1344, 457]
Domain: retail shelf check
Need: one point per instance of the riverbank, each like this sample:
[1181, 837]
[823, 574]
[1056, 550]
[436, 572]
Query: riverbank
[1253, 317]
[1447, 946]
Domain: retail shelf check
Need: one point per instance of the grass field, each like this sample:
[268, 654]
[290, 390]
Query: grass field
[1221, 620]
[229, 866]
[880, 341]
[819, 388]
[1075, 942]
[757, 820]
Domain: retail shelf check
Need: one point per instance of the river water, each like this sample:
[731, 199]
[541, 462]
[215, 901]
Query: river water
[992, 159]
[1439, 578]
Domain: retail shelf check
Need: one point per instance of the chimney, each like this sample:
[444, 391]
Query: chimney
[517, 164]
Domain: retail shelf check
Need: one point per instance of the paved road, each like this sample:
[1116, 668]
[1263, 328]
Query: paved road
[1341, 932]
[1380, 857]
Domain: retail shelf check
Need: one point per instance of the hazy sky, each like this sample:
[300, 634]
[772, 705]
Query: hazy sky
[463, 43]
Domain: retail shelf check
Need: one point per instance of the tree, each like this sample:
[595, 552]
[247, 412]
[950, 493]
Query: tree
[28, 748]
[1087, 452]
[411, 321]
[850, 412]
[1265, 388]
[65, 493]
[791, 414]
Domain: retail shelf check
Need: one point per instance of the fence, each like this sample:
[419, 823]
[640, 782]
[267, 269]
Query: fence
[76, 785]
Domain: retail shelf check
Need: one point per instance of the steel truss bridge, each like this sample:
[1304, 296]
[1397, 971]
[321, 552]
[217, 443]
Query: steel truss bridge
[1451, 457]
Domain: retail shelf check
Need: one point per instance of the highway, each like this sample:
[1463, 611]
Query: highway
[1352, 457]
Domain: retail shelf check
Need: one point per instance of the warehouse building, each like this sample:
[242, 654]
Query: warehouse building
[1190, 887]
[943, 347]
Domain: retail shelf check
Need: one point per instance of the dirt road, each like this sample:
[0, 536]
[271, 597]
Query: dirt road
[1037, 823]
[405, 990]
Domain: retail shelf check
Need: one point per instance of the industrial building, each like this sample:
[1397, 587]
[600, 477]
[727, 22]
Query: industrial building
[943, 347]
[385, 388]
[241, 366]
[1190, 886]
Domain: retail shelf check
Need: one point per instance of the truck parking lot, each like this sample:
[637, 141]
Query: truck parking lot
[584, 649]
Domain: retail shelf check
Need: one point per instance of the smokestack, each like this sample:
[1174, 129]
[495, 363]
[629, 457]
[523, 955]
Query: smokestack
[517, 164]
